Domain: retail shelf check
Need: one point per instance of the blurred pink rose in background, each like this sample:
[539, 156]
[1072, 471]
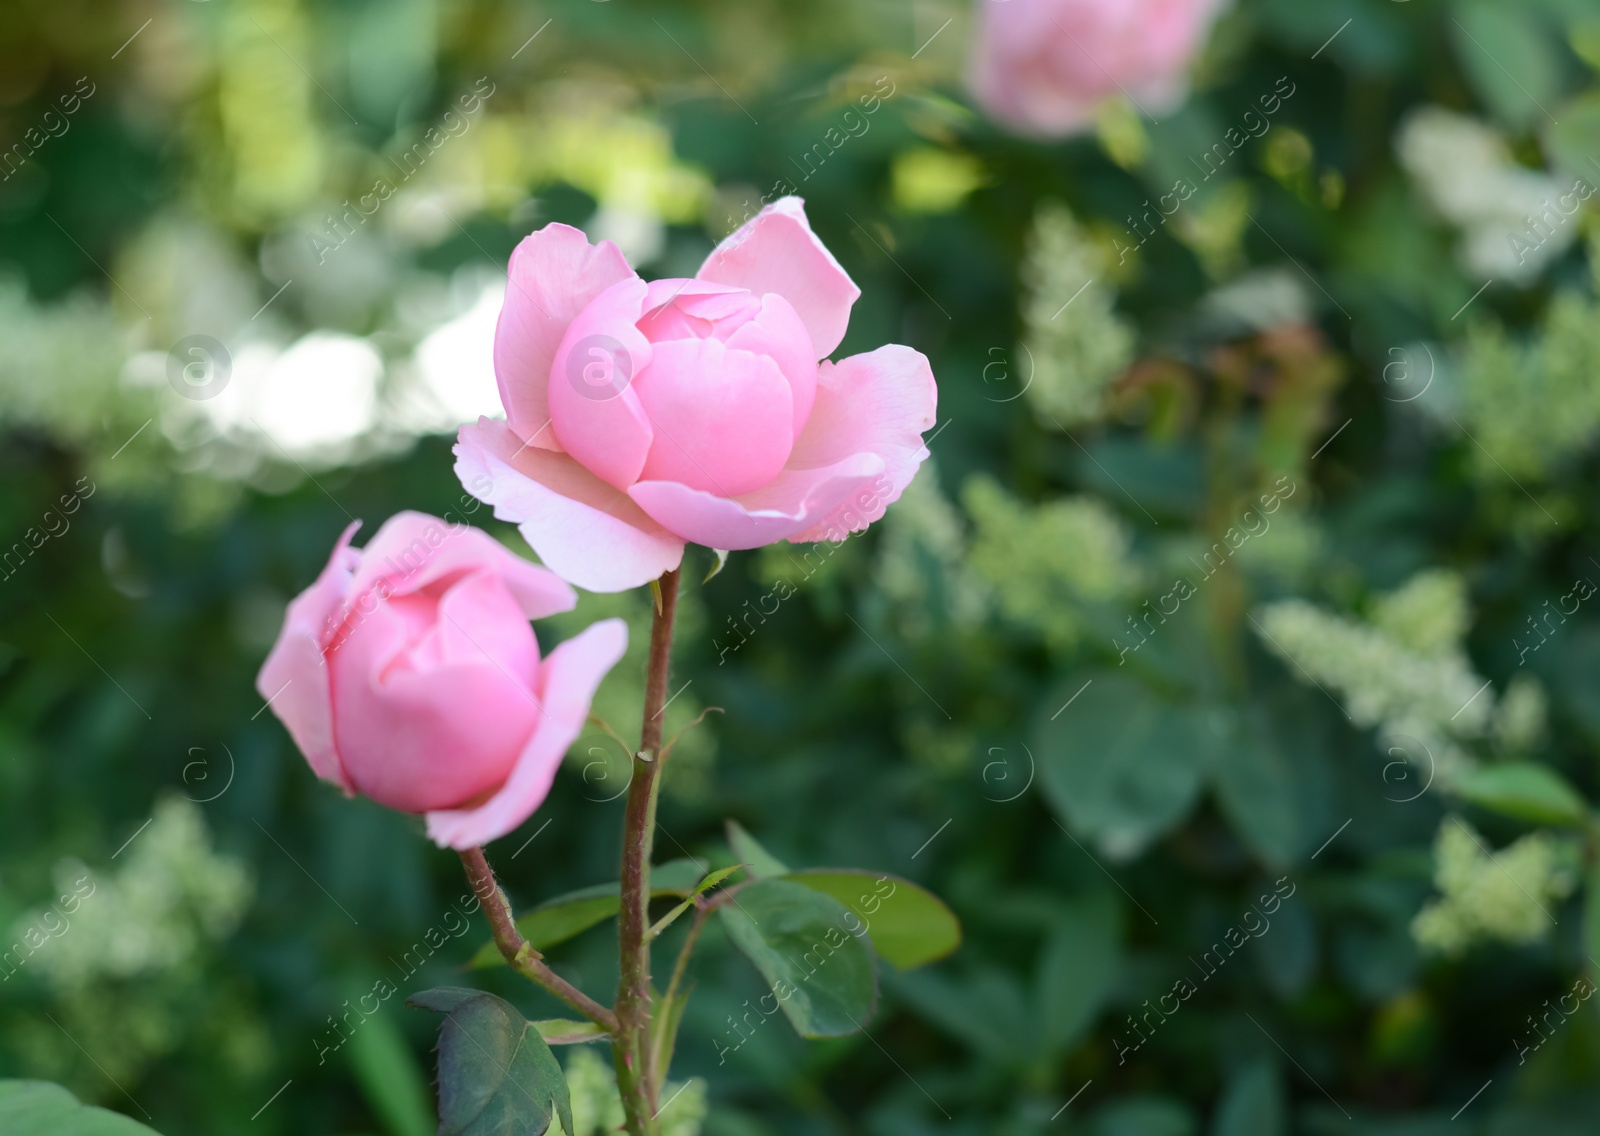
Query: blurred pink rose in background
[643, 416]
[408, 673]
[1041, 66]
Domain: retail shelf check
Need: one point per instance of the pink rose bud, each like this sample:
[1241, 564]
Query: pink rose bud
[641, 416]
[408, 673]
[1041, 66]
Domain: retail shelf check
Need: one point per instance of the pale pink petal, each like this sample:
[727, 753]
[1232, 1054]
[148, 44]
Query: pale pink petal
[878, 403]
[594, 411]
[777, 331]
[723, 419]
[568, 681]
[553, 276]
[294, 679]
[585, 531]
[414, 550]
[776, 251]
[794, 500]
[427, 722]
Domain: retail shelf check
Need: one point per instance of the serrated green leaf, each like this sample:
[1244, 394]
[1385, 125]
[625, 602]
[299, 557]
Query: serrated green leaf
[1534, 793]
[909, 925]
[705, 885]
[497, 1075]
[39, 1108]
[559, 919]
[822, 976]
[762, 864]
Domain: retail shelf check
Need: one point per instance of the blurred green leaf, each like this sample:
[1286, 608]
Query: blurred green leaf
[1534, 793]
[1572, 142]
[1510, 57]
[391, 1078]
[1078, 970]
[1143, 1114]
[1254, 781]
[1253, 1103]
[562, 1031]
[38, 1108]
[496, 1073]
[824, 977]
[1121, 765]
[909, 927]
[761, 862]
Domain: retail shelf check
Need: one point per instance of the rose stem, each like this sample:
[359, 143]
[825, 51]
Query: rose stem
[630, 1048]
[522, 957]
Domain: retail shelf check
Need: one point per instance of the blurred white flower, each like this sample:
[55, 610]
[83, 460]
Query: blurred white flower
[1465, 170]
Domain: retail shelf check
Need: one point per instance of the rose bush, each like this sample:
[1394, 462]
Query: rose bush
[643, 416]
[1040, 66]
[408, 673]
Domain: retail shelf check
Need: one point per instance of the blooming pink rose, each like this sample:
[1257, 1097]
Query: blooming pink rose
[408, 673]
[1040, 66]
[641, 416]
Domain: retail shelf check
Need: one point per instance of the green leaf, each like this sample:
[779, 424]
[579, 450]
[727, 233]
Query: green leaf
[722, 558]
[1143, 1114]
[1534, 793]
[391, 1078]
[496, 1073]
[1509, 57]
[39, 1108]
[1573, 141]
[1078, 969]
[701, 888]
[442, 999]
[762, 863]
[1254, 781]
[562, 1031]
[909, 925]
[557, 920]
[665, 1018]
[1253, 1104]
[824, 977]
[1121, 765]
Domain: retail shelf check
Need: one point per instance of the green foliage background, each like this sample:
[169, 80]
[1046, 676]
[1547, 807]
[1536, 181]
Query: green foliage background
[961, 695]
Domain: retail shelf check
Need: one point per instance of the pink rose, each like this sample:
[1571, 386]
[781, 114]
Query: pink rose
[641, 416]
[408, 673]
[1040, 66]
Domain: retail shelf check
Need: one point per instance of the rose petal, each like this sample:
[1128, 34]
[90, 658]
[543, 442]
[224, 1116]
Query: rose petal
[413, 550]
[569, 678]
[879, 403]
[553, 276]
[776, 251]
[777, 331]
[428, 722]
[294, 678]
[594, 410]
[793, 500]
[585, 531]
[723, 419]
